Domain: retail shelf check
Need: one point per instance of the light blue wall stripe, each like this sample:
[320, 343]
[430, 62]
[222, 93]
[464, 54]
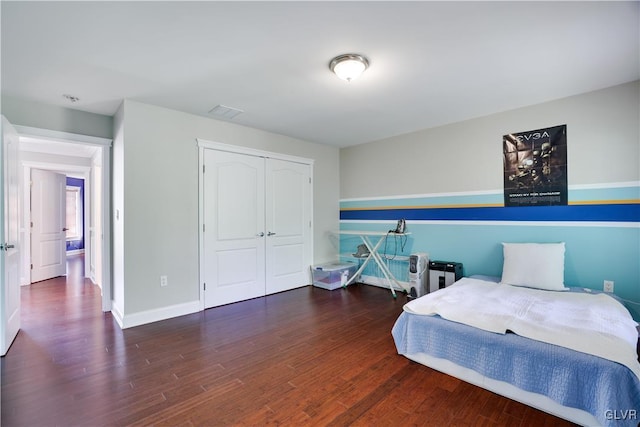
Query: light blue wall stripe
[622, 193]
[426, 201]
[626, 192]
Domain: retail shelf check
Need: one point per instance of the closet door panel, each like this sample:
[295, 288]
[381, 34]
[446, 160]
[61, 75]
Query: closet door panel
[234, 250]
[288, 222]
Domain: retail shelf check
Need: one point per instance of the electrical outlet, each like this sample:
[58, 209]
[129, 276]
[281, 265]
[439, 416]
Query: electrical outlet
[163, 281]
[608, 286]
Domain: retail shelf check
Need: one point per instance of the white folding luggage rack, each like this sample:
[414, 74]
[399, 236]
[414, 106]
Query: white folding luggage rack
[373, 254]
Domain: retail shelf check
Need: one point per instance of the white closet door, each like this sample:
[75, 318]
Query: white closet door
[288, 220]
[234, 250]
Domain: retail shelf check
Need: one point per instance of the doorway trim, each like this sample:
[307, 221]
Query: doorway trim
[104, 145]
[27, 166]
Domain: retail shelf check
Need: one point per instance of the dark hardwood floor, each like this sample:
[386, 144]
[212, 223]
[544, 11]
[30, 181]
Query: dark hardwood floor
[302, 357]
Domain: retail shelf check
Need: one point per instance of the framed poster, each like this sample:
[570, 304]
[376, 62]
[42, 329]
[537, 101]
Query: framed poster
[535, 167]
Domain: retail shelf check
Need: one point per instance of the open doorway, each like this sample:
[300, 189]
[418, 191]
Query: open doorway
[81, 159]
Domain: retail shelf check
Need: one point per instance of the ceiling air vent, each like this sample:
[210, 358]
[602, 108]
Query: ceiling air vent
[224, 112]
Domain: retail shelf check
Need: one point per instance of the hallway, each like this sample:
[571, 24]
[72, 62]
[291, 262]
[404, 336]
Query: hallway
[48, 304]
[63, 333]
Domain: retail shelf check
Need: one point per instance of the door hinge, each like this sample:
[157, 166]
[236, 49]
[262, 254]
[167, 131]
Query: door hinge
[205, 286]
[309, 180]
[203, 228]
[203, 168]
[32, 266]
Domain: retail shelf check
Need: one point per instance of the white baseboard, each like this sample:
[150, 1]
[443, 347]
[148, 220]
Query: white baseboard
[155, 315]
[382, 282]
[116, 311]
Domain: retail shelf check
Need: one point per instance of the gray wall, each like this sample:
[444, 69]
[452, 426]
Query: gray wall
[117, 199]
[156, 192]
[603, 137]
[461, 165]
[28, 113]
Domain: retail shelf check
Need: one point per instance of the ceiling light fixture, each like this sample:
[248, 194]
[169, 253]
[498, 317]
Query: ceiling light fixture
[349, 66]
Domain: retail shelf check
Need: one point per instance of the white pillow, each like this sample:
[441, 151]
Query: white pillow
[534, 265]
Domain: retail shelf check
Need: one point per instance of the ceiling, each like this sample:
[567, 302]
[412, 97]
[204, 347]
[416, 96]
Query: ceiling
[431, 63]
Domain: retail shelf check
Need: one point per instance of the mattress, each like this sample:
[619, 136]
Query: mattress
[578, 383]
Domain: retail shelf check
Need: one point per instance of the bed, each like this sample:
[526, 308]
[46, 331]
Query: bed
[570, 352]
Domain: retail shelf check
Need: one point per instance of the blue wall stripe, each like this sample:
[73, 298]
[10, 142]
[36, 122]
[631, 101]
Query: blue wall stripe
[77, 244]
[595, 212]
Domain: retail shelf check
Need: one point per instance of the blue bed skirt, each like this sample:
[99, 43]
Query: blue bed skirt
[607, 390]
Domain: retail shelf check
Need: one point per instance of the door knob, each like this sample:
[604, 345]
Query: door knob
[65, 229]
[6, 247]
[260, 234]
[270, 233]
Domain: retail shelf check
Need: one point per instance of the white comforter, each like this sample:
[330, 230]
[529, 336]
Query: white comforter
[596, 324]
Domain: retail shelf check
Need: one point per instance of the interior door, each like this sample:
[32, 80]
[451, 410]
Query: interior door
[48, 219]
[233, 220]
[10, 252]
[288, 219]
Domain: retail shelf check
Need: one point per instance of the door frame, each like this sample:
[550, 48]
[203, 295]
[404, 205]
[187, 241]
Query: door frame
[219, 146]
[104, 146]
[27, 166]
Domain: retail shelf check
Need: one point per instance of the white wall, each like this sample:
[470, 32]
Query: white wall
[156, 190]
[28, 113]
[602, 141]
[44, 158]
